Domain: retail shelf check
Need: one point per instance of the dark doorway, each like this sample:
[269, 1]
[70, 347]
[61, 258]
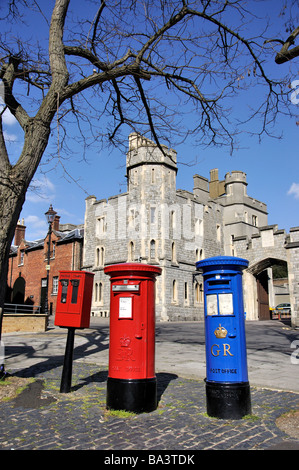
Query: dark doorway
[43, 295]
[263, 296]
[18, 291]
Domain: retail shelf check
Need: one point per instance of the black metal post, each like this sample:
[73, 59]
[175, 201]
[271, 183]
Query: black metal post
[2, 366]
[48, 269]
[66, 378]
[50, 215]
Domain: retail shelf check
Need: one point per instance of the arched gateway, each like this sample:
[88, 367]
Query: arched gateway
[265, 249]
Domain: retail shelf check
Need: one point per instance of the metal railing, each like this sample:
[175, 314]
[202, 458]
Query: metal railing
[21, 309]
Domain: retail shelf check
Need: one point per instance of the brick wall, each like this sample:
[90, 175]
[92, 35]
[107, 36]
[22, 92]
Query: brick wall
[32, 267]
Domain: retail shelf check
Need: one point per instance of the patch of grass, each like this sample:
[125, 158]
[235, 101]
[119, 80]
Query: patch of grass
[251, 417]
[120, 413]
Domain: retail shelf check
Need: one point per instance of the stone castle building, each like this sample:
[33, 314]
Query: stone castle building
[154, 222]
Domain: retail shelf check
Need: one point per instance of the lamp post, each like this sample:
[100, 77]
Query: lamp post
[50, 215]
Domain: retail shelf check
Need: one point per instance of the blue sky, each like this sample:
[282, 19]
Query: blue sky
[272, 169]
[271, 166]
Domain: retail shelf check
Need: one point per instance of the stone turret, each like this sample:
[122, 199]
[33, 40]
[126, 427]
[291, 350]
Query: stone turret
[150, 168]
[235, 184]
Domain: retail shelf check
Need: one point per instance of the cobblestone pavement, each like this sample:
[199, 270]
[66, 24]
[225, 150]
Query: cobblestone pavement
[42, 418]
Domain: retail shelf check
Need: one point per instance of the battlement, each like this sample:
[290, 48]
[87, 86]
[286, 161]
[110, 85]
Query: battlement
[143, 151]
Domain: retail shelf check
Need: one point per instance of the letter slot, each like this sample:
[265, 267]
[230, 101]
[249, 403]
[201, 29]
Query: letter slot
[75, 283]
[64, 284]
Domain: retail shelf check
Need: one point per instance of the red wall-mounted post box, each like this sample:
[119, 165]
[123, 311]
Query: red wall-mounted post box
[131, 383]
[74, 299]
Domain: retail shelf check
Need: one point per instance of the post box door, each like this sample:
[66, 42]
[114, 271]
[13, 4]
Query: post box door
[226, 356]
[131, 354]
[70, 294]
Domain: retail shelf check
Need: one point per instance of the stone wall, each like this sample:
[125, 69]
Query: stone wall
[24, 323]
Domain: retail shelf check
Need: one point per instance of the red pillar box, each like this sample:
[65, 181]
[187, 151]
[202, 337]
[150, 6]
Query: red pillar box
[74, 299]
[131, 383]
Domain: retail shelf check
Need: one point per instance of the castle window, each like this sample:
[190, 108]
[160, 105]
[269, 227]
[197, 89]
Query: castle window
[131, 254]
[153, 175]
[153, 249]
[186, 296]
[100, 256]
[174, 291]
[100, 226]
[199, 227]
[173, 252]
[98, 292]
[172, 219]
[153, 215]
[198, 254]
[198, 293]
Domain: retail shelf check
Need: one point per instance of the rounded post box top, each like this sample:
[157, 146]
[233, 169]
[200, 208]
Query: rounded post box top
[133, 268]
[222, 262]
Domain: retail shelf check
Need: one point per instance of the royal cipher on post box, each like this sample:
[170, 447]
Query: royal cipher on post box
[74, 299]
[227, 386]
[131, 383]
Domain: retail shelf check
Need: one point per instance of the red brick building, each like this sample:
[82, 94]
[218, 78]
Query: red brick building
[28, 264]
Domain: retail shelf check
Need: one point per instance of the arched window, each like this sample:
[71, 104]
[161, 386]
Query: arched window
[131, 254]
[100, 292]
[153, 249]
[153, 175]
[174, 291]
[173, 252]
[198, 292]
[100, 256]
[186, 292]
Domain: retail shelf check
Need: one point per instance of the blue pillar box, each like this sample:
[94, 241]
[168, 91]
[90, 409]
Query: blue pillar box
[227, 386]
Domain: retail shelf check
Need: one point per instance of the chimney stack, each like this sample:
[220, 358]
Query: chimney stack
[56, 223]
[20, 233]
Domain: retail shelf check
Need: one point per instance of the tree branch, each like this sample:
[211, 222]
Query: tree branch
[8, 75]
[148, 113]
[56, 48]
[286, 54]
[4, 160]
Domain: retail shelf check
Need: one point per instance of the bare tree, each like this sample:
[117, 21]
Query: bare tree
[111, 66]
[289, 50]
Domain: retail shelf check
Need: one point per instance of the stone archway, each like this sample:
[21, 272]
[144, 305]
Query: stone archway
[259, 290]
[264, 249]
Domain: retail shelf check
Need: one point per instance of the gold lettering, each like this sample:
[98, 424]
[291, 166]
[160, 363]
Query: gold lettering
[226, 348]
[217, 351]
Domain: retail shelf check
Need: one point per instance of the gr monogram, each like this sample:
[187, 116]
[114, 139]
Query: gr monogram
[215, 350]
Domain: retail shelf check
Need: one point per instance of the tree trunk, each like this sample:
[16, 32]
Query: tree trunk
[14, 182]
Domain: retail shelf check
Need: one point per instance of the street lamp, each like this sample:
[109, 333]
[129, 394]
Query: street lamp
[50, 216]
